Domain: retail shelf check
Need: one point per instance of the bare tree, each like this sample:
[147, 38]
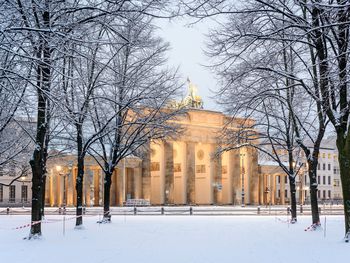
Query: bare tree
[36, 31]
[290, 24]
[138, 90]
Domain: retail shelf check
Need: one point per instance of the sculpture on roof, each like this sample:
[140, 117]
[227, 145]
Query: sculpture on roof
[192, 100]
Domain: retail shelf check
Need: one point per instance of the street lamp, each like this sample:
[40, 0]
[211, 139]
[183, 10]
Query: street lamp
[22, 192]
[242, 172]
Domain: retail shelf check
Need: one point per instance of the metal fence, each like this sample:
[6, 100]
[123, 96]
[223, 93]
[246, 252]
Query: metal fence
[330, 209]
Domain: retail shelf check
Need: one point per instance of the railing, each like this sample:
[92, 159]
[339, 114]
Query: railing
[14, 202]
[137, 202]
[185, 210]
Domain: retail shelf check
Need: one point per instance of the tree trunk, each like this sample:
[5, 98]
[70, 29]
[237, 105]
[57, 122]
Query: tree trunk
[313, 193]
[35, 163]
[293, 198]
[80, 178]
[107, 196]
[344, 165]
[38, 162]
[43, 190]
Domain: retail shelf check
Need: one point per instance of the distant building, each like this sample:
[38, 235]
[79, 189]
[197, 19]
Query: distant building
[276, 183]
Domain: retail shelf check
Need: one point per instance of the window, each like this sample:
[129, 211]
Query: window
[318, 194]
[329, 167]
[224, 169]
[177, 167]
[24, 193]
[323, 166]
[324, 194]
[200, 168]
[329, 180]
[1, 171]
[12, 194]
[278, 179]
[323, 155]
[285, 179]
[329, 193]
[324, 180]
[318, 179]
[1, 194]
[318, 166]
[155, 166]
[329, 156]
[285, 193]
[279, 193]
[336, 182]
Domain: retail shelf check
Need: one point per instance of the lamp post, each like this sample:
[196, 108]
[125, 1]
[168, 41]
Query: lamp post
[242, 180]
[22, 190]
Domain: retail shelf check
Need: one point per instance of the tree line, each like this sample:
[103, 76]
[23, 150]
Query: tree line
[285, 63]
[91, 76]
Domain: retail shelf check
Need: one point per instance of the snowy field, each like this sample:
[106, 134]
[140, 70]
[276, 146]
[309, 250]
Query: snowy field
[175, 239]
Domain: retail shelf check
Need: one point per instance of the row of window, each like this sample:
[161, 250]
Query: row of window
[323, 154]
[329, 155]
[12, 193]
[324, 167]
[325, 194]
[324, 180]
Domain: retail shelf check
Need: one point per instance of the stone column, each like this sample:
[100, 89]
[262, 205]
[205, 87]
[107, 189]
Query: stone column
[58, 189]
[261, 189]
[51, 189]
[138, 182]
[113, 190]
[283, 187]
[146, 174]
[158, 173]
[190, 173]
[236, 177]
[253, 176]
[227, 170]
[74, 180]
[180, 166]
[88, 182]
[169, 173]
[216, 176]
[101, 186]
[273, 188]
[121, 183]
[96, 188]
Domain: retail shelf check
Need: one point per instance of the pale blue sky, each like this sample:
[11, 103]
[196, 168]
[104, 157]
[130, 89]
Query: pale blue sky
[187, 44]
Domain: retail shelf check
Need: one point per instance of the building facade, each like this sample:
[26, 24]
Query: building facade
[185, 170]
[276, 183]
[15, 189]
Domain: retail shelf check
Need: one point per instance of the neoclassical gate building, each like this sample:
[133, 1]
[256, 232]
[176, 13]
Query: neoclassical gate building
[182, 171]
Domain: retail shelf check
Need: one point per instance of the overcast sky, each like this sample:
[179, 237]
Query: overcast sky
[187, 45]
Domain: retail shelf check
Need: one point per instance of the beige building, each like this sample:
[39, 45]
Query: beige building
[181, 171]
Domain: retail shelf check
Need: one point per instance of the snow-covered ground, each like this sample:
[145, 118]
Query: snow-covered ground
[175, 239]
